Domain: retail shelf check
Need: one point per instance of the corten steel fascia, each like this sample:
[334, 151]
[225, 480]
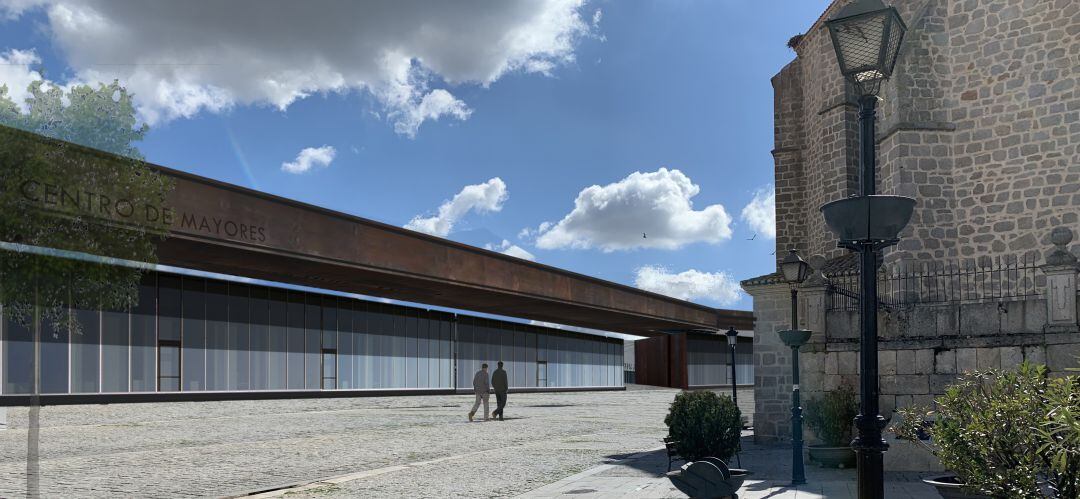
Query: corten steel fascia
[224, 228]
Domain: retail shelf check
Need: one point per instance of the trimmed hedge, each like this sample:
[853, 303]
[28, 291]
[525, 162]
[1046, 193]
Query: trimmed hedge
[704, 424]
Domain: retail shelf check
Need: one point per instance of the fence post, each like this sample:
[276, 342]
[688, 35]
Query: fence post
[1060, 269]
[812, 300]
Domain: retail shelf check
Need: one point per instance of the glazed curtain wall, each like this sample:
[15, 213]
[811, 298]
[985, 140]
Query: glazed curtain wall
[535, 357]
[709, 360]
[195, 334]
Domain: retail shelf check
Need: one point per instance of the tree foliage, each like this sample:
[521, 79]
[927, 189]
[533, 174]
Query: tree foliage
[59, 192]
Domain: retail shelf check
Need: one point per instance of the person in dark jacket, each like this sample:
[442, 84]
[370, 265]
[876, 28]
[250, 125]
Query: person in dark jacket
[500, 384]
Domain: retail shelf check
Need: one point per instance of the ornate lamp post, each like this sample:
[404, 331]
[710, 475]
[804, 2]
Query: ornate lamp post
[866, 36]
[732, 334]
[795, 271]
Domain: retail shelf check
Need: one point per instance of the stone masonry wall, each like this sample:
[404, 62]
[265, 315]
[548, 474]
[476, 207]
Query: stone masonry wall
[980, 123]
[772, 363]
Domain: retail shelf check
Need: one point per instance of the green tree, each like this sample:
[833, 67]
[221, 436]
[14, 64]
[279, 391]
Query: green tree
[71, 184]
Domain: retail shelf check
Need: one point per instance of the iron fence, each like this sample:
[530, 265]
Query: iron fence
[986, 279]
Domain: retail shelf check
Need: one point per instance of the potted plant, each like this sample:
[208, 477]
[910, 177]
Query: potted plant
[831, 417]
[985, 430]
[703, 425]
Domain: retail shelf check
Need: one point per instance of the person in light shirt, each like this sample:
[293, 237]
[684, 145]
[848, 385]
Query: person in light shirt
[481, 387]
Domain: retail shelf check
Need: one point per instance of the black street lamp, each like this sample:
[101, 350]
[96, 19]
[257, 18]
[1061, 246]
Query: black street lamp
[732, 334]
[795, 271]
[866, 35]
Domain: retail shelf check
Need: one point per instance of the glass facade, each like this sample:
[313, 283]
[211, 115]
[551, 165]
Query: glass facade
[709, 360]
[194, 334]
[536, 357]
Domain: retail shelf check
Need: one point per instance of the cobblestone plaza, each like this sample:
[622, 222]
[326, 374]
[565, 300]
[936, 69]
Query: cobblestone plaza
[412, 446]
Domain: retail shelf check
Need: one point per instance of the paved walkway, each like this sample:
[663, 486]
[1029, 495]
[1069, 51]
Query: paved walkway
[643, 476]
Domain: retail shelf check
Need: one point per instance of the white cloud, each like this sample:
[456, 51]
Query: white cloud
[15, 72]
[531, 233]
[309, 158]
[12, 9]
[644, 210]
[508, 248]
[179, 61]
[481, 198]
[760, 213]
[718, 287]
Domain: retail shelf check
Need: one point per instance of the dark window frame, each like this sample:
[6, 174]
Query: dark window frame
[179, 366]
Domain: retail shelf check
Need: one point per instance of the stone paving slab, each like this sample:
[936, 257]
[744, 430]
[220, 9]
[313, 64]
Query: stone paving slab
[643, 476]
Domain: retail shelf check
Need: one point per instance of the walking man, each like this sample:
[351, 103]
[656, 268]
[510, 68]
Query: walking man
[498, 382]
[481, 389]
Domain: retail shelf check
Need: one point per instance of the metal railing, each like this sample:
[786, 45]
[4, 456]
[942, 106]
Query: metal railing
[629, 376]
[986, 279]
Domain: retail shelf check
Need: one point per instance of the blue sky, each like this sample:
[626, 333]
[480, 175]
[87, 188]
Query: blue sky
[594, 93]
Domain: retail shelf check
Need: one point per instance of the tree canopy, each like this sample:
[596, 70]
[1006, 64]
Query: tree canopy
[72, 183]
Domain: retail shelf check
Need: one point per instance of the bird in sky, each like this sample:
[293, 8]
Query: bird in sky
[752, 238]
[643, 236]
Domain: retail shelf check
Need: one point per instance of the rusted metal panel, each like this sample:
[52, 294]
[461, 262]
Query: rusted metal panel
[229, 229]
[662, 361]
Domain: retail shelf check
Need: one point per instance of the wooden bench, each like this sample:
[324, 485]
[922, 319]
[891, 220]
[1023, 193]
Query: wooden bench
[672, 451]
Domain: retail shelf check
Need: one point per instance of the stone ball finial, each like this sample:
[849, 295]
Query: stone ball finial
[1061, 236]
[817, 263]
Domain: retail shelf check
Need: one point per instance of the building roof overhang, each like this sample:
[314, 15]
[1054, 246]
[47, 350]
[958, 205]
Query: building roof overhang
[228, 229]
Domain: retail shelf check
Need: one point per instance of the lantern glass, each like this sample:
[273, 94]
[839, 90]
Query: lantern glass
[866, 36]
[794, 268]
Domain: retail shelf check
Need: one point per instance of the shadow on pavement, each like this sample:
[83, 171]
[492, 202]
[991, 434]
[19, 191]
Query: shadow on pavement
[654, 463]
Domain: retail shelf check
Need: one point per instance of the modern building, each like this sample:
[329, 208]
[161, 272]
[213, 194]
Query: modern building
[694, 360]
[192, 334]
[210, 333]
[980, 124]
[698, 360]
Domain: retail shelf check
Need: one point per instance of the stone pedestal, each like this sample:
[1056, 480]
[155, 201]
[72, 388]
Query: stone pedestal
[1060, 299]
[812, 305]
[812, 300]
[1060, 270]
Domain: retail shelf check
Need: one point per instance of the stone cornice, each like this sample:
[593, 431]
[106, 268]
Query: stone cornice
[916, 126]
[785, 150]
[836, 102]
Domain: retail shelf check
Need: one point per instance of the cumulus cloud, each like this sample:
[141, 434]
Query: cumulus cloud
[310, 157]
[644, 210]
[481, 198]
[180, 61]
[508, 248]
[16, 73]
[760, 213]
[717, 287]
[531, 233]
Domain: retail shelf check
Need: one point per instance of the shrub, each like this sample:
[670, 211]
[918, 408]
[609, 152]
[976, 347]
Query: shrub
[1060, 436]
[985, 430]
[832, 416]
[704, 424]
